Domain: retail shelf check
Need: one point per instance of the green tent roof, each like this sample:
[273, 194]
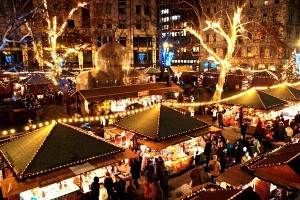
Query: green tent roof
[160, 122]
[53, 147]
[284, 91]
[254, 98]
[151, 70]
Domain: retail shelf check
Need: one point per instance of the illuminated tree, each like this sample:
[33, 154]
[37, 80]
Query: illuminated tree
[53, 29]
[225, 23]
[13, 15]
[290, 69]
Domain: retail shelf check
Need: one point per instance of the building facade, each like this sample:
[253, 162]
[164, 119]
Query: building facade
[129, 22]
[272, 33]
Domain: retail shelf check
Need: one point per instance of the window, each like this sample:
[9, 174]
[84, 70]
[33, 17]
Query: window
[147, 10]
[138, 9]
[109, 26]
[264, 19]
[239, 53]
[291, 17]
[275, 17]
[71, 24]
[214, 38]
[207, 37]
[266, 2]
[99, 41]
[208, 11]
[251, 4]
[99, 8]
[138, 25]
[108, 8]
[122, 24]
[196, 49]
[249, 52]
[250, 36]
[122, 10]
[122, 41]
[276, 2]
[262, 52]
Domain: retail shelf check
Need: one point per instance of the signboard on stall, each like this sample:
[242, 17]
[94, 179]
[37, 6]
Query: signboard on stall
[143, 93]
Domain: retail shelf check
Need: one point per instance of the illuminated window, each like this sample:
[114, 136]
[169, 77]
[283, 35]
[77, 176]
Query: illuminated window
[266, 2]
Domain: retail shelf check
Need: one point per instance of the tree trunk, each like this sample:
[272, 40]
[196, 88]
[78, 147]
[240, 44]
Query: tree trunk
[221, 81]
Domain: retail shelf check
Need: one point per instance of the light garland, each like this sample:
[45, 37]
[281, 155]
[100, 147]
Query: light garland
[22, 174]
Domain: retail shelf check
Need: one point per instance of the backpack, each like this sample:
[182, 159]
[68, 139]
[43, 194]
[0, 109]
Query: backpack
[211, 167]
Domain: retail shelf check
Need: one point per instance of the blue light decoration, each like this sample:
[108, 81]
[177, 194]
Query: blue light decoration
[169, 58]
[213, 65]
[142, 58]
[298, 61]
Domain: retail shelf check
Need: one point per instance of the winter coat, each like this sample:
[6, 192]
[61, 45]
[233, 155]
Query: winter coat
[197, 176]
[217, 167]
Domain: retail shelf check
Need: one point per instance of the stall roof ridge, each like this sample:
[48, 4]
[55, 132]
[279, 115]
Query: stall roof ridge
[279, 166]
[284, 91]
[255, 98]
[54, 147]
[160, 122]
[123, 88]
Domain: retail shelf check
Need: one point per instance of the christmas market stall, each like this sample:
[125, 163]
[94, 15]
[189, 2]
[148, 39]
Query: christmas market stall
[36, 84]
[58, 160]
[275, 173]
[251, 105]
[163, 131]
[234, 78]
[285, 92]
[152, 73]
[263, 78]
[220, 192]
[90, 101]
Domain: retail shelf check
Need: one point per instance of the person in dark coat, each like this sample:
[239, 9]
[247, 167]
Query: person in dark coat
[207, 152]
[197, 175]
[244, 128]
[165, 184]
[135, 168]
[108, 184]
[119, 187]
[220, 120]
[95, 187]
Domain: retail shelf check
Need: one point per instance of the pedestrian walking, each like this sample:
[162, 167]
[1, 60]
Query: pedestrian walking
[95, 187]
[108, 184]
[135, 168]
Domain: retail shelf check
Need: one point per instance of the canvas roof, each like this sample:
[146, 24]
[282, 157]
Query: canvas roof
[280, 167]
[284, 91]
[177, 69]
[160, 122]
[35, 79]
[53, 147]
[126, 91]
[254, 98]
[265, 74]
[151, 70]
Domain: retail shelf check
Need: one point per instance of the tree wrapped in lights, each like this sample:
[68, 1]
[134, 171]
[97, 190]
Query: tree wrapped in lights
[56, 26]
[290, 71]
[225, 23]
[15, 14]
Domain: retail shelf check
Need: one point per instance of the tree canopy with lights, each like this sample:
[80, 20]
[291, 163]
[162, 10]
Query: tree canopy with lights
[227, 22]
[52, 30]
[14, 15]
